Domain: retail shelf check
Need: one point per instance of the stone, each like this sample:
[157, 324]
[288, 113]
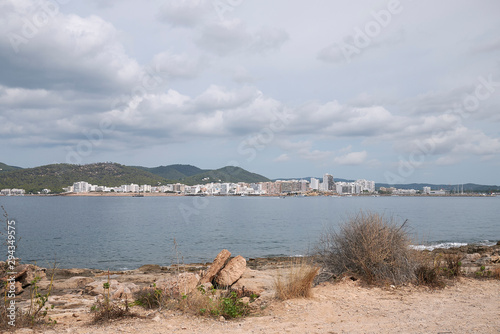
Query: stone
[498, 243]
[179, 285]
[473, 257]
[495, 259]
[125, 291]
[253, 282]
[484, 260]
[116, 291]
[97, 287]
[205, 286]
[20, 270]
[231, 272]
[29, 275]
[19, 288]
[217, 265]
[76, 282]
[148, 268]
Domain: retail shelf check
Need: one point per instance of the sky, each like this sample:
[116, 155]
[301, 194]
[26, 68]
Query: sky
[391, 91]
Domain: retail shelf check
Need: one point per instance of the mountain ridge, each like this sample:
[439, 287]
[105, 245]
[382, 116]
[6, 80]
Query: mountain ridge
[58, 176]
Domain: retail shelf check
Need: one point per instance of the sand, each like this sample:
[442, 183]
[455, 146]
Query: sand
[466, 306]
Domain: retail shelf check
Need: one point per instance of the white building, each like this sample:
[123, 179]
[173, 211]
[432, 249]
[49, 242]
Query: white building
[314, 183]
[81, 187]
[427, 190]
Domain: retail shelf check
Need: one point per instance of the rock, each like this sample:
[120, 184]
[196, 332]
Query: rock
[124, 291]
[221, 318]
[148, 268]
[206, 286]
[97, 287]
[29, 275]
[472, 257]
[484, 260]
[63, 273]
[179, 285]
[471, 249]
[19, 288]
[495, 259]
[231, 272]
[20, 271]
[498, 243]
[217, 265]
[76, 282]
[253, 282]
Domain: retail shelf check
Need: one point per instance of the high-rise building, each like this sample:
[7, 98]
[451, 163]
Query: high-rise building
[328, 182]
[81, 187]
[314, 183]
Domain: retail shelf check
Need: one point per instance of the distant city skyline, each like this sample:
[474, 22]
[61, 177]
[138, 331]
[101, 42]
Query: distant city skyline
[397, 91]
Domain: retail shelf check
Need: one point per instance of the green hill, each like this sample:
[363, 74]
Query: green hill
[174, 172]
[57, 176]
[6, 168]
[225, 174]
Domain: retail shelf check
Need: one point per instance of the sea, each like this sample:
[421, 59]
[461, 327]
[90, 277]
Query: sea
[120, 233]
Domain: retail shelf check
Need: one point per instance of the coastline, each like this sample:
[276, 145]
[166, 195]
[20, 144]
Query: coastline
[113, 194]
[345, 305]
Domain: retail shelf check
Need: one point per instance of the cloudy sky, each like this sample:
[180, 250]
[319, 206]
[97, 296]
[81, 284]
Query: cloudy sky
[392, 91]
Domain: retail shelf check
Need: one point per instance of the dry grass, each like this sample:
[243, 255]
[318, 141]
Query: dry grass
[496, 273]
[371, 246]
[104, 311]
[296, 281]
[453, 264]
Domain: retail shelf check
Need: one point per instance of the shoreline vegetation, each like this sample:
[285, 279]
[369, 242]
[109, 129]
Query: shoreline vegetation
[347, 303]
[360, 277]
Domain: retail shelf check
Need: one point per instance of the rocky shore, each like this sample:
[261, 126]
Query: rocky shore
[468, 305]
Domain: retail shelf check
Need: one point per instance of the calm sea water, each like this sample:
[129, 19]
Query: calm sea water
[126, 232]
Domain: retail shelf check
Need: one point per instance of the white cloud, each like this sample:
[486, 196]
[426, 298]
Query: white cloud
[224, 37]
[185, 13]
[178, 65]
[282, 158]
[69, 52]
[352, 158]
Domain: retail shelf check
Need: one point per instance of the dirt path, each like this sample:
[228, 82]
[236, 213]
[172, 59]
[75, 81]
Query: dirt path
[468, 306]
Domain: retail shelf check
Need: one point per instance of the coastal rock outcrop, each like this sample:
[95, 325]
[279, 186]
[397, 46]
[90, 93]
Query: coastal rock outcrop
[179, 285]
[253, 282]
[76, 282]
[218, 263]
[116, 291]
[231, 272]
[25, 274]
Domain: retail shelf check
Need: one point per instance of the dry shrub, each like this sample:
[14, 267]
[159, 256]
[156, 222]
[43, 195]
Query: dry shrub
[371, 246]
[103, 311]
[296, 281]
[453, 264]
[150, 297]
[496, 273]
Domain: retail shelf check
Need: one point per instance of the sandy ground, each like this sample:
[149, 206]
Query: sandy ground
[467, 306]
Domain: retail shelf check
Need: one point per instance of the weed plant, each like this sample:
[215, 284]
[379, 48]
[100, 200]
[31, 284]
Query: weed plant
[106, 310]
[371, 246]
[213, 302]
[296, 280]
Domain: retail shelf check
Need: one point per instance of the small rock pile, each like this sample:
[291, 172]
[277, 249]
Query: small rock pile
[23, 274]
[223, 273]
